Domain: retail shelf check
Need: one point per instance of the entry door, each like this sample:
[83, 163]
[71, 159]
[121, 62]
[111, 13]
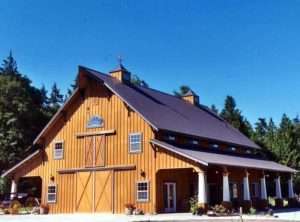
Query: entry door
[170, 197]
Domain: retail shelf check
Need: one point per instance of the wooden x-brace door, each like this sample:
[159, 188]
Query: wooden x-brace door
[94, 150]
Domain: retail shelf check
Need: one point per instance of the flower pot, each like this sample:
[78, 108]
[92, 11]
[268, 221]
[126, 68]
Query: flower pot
[128, 211]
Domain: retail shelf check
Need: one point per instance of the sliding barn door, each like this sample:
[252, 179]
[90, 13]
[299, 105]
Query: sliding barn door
[84, 192]
[94, 191]
[103, 191]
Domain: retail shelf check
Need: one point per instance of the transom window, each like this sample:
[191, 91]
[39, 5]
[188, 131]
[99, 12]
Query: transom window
[58, 150]
[51, 195]
[142, 193]
[135, 142]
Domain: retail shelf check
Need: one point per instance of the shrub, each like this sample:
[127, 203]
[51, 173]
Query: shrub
[252, 210]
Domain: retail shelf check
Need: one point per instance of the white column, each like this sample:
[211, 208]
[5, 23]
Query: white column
[226, 191]
[278, 188]
[202, 188]
[13, 190]
[246, 194]
[291, 188]
[263, 188]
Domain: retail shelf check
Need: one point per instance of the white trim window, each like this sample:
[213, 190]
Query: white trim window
[142, 191]
[51, 193]
[135, 142]
[58, 150]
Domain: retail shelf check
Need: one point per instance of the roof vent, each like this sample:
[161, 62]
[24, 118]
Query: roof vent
[121, 73]
[191, 97]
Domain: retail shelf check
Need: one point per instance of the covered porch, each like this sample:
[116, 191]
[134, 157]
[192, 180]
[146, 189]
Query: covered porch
[232, 181]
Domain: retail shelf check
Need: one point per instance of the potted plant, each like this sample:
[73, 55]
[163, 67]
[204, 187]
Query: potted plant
[14, 207]
[44, 209]
[129, 207]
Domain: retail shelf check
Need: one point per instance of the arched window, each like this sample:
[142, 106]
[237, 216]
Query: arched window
[95, 122]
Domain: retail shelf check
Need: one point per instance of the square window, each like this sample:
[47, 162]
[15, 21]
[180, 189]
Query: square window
[51, 194]
[135, 142]
[142, 194]
[58, 150]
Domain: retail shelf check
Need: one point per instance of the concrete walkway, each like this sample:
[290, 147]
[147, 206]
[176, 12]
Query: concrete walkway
[282, 216]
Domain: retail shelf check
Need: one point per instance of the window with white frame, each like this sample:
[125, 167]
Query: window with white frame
[194, 142]
[214, 145]
[142, 191]
[135, 142]
[58, 150]
[52, 193]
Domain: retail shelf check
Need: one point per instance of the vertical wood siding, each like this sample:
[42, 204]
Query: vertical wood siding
[99, 101]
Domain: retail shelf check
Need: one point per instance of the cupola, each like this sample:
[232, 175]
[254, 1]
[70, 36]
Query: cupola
[191, 97]
[121, 73]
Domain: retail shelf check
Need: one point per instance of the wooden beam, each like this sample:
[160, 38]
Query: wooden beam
[91, 169]
[96, 133]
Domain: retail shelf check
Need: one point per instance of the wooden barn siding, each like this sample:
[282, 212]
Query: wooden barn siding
[99, 101]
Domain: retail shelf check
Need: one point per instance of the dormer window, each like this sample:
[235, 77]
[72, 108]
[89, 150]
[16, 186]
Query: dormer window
[214, 145]
[232, 148]
[194, 142]
[171, 138]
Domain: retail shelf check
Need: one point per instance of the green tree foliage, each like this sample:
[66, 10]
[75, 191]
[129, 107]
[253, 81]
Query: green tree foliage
[21, 113]
[182, 91]
[135, 80]
[234, 116]
[55, 100]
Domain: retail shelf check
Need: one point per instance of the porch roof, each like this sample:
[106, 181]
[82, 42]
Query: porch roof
[208, 158]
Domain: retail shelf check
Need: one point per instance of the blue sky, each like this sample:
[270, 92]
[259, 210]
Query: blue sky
[247, 49]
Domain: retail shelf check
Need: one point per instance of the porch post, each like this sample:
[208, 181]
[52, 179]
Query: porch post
[291, 188]
[278, 188]
[13, 189]
[278, 200]
[226, 191]
[202, 188]
[263, 188]
[246, 187]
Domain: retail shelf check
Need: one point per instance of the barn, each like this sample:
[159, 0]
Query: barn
[115, 143]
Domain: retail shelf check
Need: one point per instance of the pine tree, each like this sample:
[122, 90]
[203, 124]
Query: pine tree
[182, 91]
[135, 80]
[234, 116]
[214, 109]
[56, 99]
[21, 114]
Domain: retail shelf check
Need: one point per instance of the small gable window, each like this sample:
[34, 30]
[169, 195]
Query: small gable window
[58, 150]
[214, 145]
[194, 142]
[142, 193]
[135, 142]
[52, 193]
[95, 122]
[171, 138]
[232, 148]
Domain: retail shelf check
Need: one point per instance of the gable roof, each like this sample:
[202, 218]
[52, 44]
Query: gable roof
[167, 112]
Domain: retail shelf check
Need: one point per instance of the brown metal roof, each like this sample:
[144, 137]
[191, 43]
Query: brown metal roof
[167, 112]
[208, 158]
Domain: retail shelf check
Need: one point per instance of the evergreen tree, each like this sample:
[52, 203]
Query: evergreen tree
[214, 109]
[56, 99]
[234, 116]
[21, 114]
[182, 91]
[135, 80]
